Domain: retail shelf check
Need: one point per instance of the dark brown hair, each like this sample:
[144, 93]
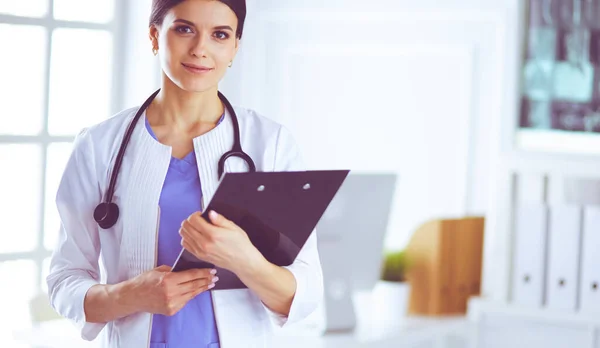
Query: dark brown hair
[161, 7]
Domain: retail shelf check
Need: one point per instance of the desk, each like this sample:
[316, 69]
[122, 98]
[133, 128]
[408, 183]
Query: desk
[410, 333]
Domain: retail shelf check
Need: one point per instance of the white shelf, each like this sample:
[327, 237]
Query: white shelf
[558, 142]
[480, 306]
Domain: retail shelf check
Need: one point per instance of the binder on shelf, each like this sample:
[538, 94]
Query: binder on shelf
[590, 263]
[562, 287]
[529, 268]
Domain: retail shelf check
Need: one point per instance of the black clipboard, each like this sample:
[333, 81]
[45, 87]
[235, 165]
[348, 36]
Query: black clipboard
[278, 210]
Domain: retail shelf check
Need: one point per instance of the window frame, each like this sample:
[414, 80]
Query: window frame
[115, 28]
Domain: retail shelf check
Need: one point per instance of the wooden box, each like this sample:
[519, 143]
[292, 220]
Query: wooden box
[446, 263]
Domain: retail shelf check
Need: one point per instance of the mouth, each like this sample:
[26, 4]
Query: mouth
[196, 69]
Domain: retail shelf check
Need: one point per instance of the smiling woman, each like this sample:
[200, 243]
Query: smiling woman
[197, 37]
[172, 155]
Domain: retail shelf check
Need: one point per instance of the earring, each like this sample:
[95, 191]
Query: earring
[155, 51]
[231, 64]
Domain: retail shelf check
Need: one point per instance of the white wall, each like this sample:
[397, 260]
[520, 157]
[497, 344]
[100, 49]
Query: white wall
[142, 73]
[403, 86]
[413, 87]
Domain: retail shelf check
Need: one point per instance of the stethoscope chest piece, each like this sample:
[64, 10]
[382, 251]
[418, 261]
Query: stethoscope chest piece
[106, 214]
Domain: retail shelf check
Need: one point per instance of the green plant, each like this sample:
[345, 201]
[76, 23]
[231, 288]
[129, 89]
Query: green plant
[395, 265]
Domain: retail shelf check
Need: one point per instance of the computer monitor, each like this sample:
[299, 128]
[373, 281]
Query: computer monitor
[351, 236]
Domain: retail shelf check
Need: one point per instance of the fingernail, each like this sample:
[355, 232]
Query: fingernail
[213, 271]
[213, 214]
[211, 286]
[215, 279]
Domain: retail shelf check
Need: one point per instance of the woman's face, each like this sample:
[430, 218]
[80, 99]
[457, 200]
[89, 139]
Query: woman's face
[196, 43]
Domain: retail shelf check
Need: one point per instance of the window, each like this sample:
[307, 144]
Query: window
[57, 77]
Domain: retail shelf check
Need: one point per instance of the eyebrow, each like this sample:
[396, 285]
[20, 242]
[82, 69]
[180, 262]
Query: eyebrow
[221, 27]
[224, 27]
[184, 21]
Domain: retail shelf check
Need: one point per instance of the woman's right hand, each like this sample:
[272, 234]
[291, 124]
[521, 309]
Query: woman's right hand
[160, 291]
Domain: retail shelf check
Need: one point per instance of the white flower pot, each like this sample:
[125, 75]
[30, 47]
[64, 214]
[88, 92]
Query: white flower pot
[390, 300]
[383, 307]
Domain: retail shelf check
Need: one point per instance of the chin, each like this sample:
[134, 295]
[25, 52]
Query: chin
[196, 85]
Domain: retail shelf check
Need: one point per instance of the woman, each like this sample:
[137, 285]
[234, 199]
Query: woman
[117, 278]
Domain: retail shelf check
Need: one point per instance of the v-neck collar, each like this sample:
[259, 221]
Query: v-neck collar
[190, 158]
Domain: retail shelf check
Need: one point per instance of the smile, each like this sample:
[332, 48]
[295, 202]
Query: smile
[196, 69]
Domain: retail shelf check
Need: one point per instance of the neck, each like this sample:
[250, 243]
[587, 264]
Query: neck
[182, 109]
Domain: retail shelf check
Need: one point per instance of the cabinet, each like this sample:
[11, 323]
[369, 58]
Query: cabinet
[501, 325]
[500, 331]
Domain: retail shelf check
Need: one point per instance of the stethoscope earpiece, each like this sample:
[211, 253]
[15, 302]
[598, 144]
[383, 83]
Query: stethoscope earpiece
[106, 215]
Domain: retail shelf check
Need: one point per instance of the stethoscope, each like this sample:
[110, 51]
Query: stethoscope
[106, 213]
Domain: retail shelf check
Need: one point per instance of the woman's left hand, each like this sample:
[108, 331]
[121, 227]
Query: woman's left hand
[220, 242]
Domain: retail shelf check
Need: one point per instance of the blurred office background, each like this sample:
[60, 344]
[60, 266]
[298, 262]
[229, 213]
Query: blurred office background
[482, 108]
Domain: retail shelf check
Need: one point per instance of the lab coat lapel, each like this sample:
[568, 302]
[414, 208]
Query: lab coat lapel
[209, 148]
[149, 162]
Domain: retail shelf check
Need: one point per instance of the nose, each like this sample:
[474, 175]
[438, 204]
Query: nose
[199, 45]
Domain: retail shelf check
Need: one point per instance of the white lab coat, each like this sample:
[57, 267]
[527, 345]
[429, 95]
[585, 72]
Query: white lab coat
[87, 255]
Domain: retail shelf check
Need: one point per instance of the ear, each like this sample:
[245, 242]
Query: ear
[153, 35]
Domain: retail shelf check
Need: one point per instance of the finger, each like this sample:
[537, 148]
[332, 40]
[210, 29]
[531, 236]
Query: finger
[194, 274]
[196, 284]
[197, 227]
[190, 295]
[163, 268]
[191, 230]
[187, 297]
[197, 221]
[204, 225]
[194, 250]
[190, 237]
[220, 221]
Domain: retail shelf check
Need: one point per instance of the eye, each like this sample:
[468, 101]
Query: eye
[184, 29]
[221, 35]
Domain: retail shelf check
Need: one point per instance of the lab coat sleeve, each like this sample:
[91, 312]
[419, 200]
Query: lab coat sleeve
[307, 266]
[74, 265]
